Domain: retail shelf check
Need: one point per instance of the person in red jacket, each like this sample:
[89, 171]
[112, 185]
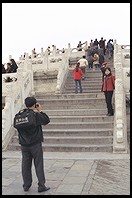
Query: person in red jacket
[108, 88]
[77, 73]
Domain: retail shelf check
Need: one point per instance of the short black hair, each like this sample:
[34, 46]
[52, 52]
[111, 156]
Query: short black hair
[30, 101]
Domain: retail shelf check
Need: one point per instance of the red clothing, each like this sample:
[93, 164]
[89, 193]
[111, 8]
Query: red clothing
[109, 83]
[77, 74]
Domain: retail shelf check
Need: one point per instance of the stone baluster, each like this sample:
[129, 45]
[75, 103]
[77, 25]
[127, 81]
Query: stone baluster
[25, 67]
[58, 82]
[20, 81]
[42, 53]
[54, 50]
[6, 121]
[86, 44]
[10, 57]
[69, 50]
[45, 60]
[120, 125]
[10, 99]
[20, 58]
[32, 55]
[30, 69]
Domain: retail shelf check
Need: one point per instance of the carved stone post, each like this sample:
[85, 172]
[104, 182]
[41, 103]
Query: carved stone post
[45, 60]
[58, 82]
[54, 50]
[10, 57]
[25, 67]
[42, 53]
[69, 50]
[120, 125]
[9, 98]
[20, 82]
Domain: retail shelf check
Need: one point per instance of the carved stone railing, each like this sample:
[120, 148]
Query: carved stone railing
[54, 61]
[121, 89]
[62, 74]
[54, 54]
[15, 93]
[12, 76]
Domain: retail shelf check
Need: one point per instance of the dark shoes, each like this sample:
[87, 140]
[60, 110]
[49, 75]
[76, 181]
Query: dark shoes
[110, 114]
[26, 188]
[40, 189]
[43, 189]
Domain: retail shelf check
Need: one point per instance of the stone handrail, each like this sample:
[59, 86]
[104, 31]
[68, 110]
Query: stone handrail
[54, 54]
[12, 76]
[120, 124]
[14, 99]
[62, 74]
[53, 62]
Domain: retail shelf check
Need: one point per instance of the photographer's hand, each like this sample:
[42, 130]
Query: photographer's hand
[38, 107]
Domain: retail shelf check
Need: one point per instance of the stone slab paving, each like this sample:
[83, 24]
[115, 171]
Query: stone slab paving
[68, 173]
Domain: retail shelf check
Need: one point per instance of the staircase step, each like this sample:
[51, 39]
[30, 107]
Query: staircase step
[69, 147]
[41, 95]
[77, 132]
[76, 112]
[74, 139]
[79, 125]
[72, 103]
[66, 107]
[84, 91]
[82, 118]
[85, 84]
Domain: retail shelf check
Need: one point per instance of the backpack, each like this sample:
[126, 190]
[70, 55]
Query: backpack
[25, 119]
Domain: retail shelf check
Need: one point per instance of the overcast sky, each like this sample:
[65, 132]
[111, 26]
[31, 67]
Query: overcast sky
[35, 25]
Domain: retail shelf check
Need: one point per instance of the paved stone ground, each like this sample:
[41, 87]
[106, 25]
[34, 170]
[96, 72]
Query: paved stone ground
[71, 174]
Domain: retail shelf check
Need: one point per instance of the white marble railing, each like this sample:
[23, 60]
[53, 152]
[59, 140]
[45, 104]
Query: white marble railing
[15, 93]
[13, 76]
[62, 73]
[122, 86]
[54, 53]
[54, 62]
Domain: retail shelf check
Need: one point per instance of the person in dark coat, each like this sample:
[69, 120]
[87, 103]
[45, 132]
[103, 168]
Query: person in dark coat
[13, 65]
[3, 69]
[31, 147]
[101, 57]
[102, 44]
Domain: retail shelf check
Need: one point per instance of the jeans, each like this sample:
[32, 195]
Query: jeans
[83, 70]
[90, 64]
[78, 82]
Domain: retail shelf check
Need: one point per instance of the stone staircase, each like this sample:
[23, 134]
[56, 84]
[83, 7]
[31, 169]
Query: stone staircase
[78, 121]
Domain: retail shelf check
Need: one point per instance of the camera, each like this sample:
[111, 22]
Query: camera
[36, 105]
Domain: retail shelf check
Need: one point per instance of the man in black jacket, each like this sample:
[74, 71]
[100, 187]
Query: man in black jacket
[31, 147]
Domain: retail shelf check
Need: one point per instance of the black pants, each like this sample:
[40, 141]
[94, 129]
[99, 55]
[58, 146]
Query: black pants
[30, 153]
[108, 99]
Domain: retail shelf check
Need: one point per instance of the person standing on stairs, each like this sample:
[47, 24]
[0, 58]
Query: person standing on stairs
[77, 73]
[31, 147]
[83, 64]
[96, 61]
[108, 88]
